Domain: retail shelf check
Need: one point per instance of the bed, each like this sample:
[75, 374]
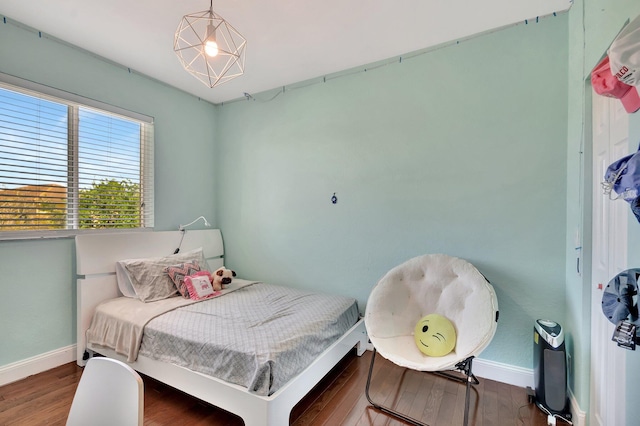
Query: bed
[260, 400]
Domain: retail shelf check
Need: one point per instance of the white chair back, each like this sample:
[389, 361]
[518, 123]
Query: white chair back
[109, 393]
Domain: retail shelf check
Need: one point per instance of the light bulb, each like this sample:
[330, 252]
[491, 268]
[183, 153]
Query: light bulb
[211, 48]
[210, 45]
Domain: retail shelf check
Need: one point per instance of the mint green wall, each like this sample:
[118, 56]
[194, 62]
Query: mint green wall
[461, 150]
[391, 143]
[593, 24]
[37, 312]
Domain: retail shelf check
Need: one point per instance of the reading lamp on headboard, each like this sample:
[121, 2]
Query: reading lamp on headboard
[183, 229]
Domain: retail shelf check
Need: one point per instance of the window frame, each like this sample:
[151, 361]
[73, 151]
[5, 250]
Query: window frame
[74, 103]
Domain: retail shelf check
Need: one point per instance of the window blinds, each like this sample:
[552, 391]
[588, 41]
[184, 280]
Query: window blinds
[69, 166]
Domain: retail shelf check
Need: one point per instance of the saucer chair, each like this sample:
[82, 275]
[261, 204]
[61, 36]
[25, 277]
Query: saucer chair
[433, 283]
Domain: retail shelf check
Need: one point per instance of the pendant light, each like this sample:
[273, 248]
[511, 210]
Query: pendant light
[209, 47]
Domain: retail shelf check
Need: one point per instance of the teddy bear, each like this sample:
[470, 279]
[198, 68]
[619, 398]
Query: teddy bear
[221, 277]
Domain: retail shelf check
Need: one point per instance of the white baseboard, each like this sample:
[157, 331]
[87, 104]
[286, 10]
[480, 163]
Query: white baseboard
[504, 373]
[27, 367]
[579, 417]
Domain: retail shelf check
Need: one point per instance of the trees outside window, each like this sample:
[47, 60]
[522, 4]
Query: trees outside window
[69, 166]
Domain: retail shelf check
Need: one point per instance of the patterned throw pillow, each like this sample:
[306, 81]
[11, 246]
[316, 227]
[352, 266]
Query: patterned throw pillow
[178, 272]
[199, 286]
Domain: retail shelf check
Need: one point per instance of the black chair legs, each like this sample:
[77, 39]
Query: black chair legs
[469, 379]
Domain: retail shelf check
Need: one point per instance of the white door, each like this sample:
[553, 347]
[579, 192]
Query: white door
[610, 142]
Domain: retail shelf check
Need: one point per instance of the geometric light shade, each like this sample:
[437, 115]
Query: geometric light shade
[209, 47]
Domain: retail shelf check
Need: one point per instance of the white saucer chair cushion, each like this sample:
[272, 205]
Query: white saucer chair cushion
[428, 284]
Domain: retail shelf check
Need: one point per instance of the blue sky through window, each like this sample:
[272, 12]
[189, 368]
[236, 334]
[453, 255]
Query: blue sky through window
[109, 148]
[33, 140]
[34, 151]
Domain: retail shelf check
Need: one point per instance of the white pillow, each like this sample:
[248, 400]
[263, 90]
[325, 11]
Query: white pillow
[124, 282]
[145, 278]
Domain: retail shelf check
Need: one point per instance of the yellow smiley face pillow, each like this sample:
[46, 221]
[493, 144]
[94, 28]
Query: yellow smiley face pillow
[435, 335]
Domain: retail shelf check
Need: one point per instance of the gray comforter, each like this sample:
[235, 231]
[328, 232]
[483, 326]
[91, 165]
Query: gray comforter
[259, 336]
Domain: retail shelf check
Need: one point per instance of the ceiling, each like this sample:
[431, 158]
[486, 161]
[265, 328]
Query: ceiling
[288, 41]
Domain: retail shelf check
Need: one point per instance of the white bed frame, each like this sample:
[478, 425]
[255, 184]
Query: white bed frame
[96, 256]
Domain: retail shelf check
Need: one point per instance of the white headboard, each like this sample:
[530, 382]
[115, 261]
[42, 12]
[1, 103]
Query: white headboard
[97, 254]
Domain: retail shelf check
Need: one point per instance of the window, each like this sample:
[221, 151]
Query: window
[67, 165]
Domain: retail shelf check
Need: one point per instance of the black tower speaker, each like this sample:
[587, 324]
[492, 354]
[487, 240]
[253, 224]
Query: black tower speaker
[550, 369]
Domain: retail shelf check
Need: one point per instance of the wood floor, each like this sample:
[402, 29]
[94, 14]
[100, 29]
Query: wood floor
[44, 399]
